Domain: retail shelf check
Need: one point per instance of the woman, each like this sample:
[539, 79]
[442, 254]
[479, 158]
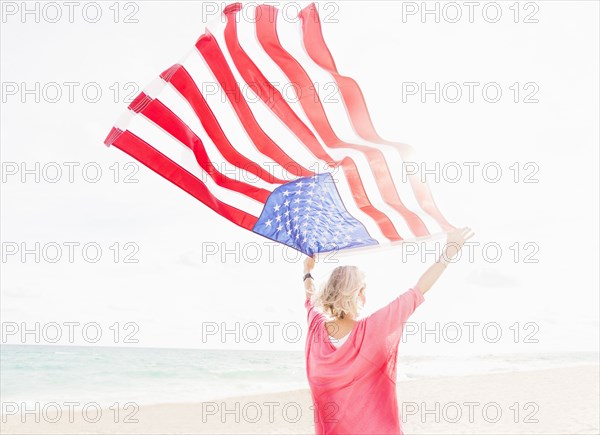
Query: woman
[351, 363]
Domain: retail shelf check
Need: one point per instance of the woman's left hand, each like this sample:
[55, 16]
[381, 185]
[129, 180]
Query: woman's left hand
[309, 264]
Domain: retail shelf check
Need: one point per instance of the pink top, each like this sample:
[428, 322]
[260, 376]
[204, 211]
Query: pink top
[353, 387]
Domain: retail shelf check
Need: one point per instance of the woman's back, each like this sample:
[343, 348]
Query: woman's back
[354, 385]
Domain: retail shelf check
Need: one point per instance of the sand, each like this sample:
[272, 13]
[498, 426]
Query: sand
[551, 401]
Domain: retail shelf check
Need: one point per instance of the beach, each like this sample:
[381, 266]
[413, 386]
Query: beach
[547, 401]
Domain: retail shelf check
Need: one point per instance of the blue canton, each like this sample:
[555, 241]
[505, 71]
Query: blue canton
[308, 215]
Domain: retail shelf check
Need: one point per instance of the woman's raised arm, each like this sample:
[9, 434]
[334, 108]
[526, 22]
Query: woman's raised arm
[309, 283]
[454, 244]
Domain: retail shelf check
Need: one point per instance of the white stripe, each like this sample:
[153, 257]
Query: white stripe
[346, 195]
[171, 98]
[249, 42]
[227, 117]
[404, 187]
[155, 87]
[148, 131]
[268, 121]
[230, 124]
[124, 119]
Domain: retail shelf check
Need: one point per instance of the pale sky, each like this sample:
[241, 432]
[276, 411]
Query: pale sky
[172, 293]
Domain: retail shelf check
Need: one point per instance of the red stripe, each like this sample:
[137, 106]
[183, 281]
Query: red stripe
[181, 80]
[112, 135]
[167, 168]
[275, 101]
[209, 48]
[162, 116]
[357, 107]
[309, 99]
[362, 200]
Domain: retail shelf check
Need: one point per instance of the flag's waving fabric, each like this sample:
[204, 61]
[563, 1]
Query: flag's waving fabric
[256, 122]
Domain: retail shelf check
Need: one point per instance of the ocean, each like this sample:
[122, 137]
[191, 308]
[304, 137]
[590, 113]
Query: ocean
[105, 375]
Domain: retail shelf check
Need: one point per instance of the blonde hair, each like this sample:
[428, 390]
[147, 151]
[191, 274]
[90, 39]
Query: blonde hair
[338, 296]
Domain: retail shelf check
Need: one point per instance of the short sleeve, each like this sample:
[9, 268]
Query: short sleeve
[392, 317]
[384, 328]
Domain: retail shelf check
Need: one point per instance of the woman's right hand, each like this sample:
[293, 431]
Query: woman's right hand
[455, 241]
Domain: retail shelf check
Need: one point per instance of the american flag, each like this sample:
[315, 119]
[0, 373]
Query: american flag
[245, 122]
